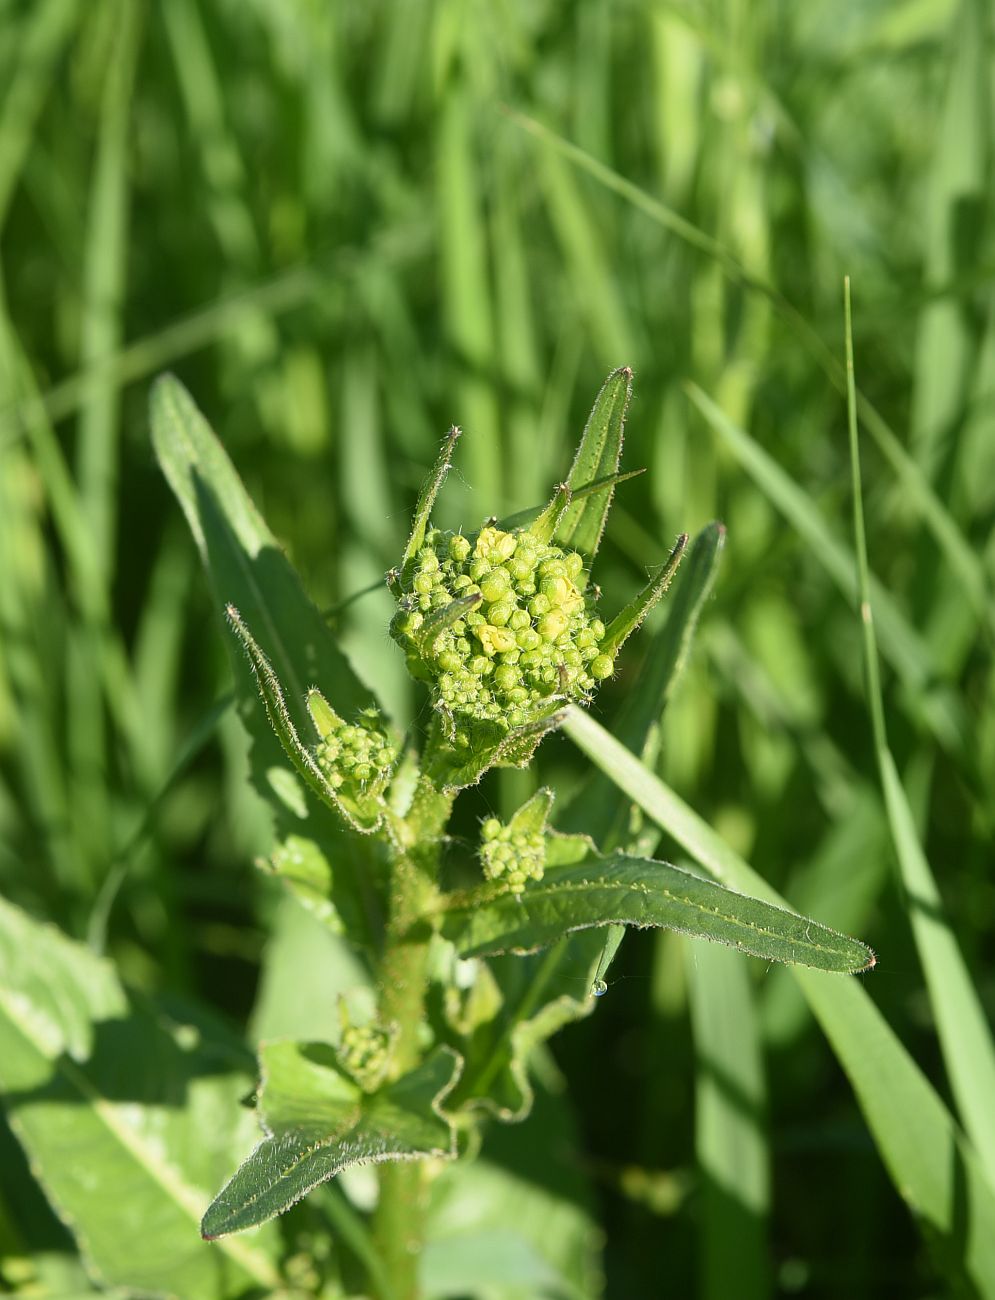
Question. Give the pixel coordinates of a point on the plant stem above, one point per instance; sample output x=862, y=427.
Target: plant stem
x=399, y=1223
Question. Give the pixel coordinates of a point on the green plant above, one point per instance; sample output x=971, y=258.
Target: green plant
x=502, y=625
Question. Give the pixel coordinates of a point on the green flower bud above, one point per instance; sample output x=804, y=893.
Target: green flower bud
x=516, y=852
x=506, y=677
x=495, y=585
x=500, y=613
x=602, y=666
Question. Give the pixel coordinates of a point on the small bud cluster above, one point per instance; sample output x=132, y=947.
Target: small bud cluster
x=510, y=854
x=364, y=1053
x=358, y=755
x=532, y=634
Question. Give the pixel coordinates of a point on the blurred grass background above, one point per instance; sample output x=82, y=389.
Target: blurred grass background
x=345, y=229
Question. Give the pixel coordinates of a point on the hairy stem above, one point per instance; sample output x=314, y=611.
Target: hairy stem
x=399, y=1224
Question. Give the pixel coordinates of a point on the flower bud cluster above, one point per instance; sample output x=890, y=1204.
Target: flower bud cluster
x=532, y=634
x=364, y=1053
x=357, y=757
x=510, y=854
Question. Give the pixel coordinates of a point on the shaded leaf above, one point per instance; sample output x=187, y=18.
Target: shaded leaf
x=517, y=1222
x=934, y=1169
x=513, y=1005
x=127, y=1117
x=246, y=569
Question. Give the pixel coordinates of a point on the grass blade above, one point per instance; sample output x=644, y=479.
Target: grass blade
x=948, y=535
x=730, y=1129
x=965, y=1038
x=599, y=808
x=49, y=27
x=904, y=647
x=934, y=1169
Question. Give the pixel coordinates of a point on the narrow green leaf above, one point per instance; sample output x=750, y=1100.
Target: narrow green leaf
x=247, y=569
x=668, y=654
x=318, y=1122
x=104, y=273
x=953, y=229
x=438, y=621
x=543, y=528
x=363, y=816
x=582, y=523
x=624, y=890
x=91, y=1085
x=427, y=495
x=529, y=518
x=631, y=617
x=933, y=1168
x=965, y=1038
x=49, y=26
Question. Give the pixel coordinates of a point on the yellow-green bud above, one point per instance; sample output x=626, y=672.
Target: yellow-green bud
x=601, y=667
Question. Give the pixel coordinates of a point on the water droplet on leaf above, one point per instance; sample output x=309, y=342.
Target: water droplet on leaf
x=599, y=988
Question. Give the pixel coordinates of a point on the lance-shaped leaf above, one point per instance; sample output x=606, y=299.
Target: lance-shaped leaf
x=426, y=500
x=582, y=523
x=599, y=808
x=244, y=563
x=543, y=529
x=318, y=1121
x=363, y=815
x=624, y=890
x=127, y=1117
x=628, y=619
x=441, y=620
x=247, y=569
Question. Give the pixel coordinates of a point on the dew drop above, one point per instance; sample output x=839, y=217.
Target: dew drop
x=599, y=988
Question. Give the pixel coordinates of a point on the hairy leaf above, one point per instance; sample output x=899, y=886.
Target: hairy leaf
x=581, y=524
x=635, y=891
x=318, y=1121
